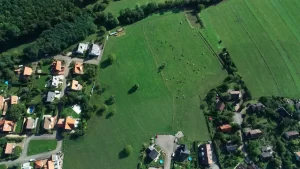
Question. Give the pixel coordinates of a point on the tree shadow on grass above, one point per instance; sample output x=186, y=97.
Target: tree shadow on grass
x=109, y=115
x=147, y=160
x=105, y=64
x=132, y=90
x=122, y=154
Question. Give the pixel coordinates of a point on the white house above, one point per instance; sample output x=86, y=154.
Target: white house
x=81, y=48
x=57, y=80
x=95, y=50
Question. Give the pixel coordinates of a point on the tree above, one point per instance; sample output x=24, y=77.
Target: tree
x=112, y=58
x=3, y=166
x=17, y=152
x=200, y=7
x=113, y=112
x=128, y=150
x=111, y=100
x=103, y=108
x=15, y=112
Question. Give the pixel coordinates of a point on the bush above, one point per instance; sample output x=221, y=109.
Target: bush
x=128, y=150
x=112, y=58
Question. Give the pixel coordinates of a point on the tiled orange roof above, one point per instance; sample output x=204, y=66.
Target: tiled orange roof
x=14, y=100
x=209, y=154
x=40, y=163
x=69, y=124
x=27, y=71
x=76, y=85
x=9, y=148
x=50, y=164
x=8, y=126
x=58, y=65
x=225, y=127
x=78, y=68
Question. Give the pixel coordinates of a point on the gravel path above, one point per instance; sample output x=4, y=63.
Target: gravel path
x=167, y=144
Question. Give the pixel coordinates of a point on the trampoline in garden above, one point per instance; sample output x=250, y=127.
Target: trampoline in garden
x=190, y=158
x=30, y=109
x=161, y=161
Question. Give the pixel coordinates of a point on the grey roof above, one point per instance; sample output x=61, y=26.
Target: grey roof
x=266, y=154
x=266, y=149
x=95, y=50
x=50, y=97
x=153, y=154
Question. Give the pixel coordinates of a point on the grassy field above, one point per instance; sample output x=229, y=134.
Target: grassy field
x=164, y=103
x=262, y=37
x=40, y=146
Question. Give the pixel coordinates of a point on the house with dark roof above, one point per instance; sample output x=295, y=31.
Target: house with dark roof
x=152, y=153
x=235, y=95
x=253, y=134
x=266, y=153
x=205, y=154
x=258, y=107
x=283, y=112
x=182, y=153
x=291, y=135
x=220, y=106
x=230, y=147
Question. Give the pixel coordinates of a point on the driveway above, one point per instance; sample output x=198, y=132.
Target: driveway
x=167, y=144
x=24, y=158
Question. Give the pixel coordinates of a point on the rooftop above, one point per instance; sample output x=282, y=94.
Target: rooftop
x=27, y=71
x=95, y=50
x=8, y=126
x=50, y=97
x=76, y=85
x=9, y=148
x=49, y=122
x=70, y=123
x=14, y=100
x=78, y=68
x=30, y=124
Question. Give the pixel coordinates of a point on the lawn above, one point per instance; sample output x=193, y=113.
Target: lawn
x=164, y=103
x=41, y=146
x=263, y=38
x=70, y=112
x=19, y=126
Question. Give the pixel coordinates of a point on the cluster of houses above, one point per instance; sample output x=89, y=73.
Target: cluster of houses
x=235, y=97
x=57, y=69
x=53, y=162
x=24, y=72
x=7, y=126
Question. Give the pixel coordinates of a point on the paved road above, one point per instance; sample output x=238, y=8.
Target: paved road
x=24, y=158
x=167, y=144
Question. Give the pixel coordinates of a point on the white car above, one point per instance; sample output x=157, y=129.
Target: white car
x=31, y=160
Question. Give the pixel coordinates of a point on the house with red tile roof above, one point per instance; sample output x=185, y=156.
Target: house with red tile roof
x=9, y=148
x=225, y=128
x=78, y=68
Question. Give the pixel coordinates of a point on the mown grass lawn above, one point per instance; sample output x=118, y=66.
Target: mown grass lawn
x=41, y=146
x=70, y=112
x=164, y=103
x=262, y=38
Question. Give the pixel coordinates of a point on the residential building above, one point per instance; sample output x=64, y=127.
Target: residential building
x=283, y=112
x=205, y=154
x=57, y=67
x=230, y=147
x=153, y=154
x=225, y=128
x=50, y=97
x=253, y=134
x=7, y=126
x=70, y=123
x=291, y=134
x=50, y=164
x=95, y=50
x=26, y=166
x=27, y=71
x=235, y=95
x=81, y=48
x=49, y=122
x=14, y=100
x=258, y=107
x=182, y=153
x=297, y=154
x=78, y=68
x=266, y=156
x=9, y=148
x=30, y=124
x=56, y=81
x=76, y=86
x=220, y=106
x=41, y=164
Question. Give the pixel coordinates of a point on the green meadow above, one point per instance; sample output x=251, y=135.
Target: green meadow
x=263, y=39
x=165, y=101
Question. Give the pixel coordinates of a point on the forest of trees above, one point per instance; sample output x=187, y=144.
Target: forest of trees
x=60, y=37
